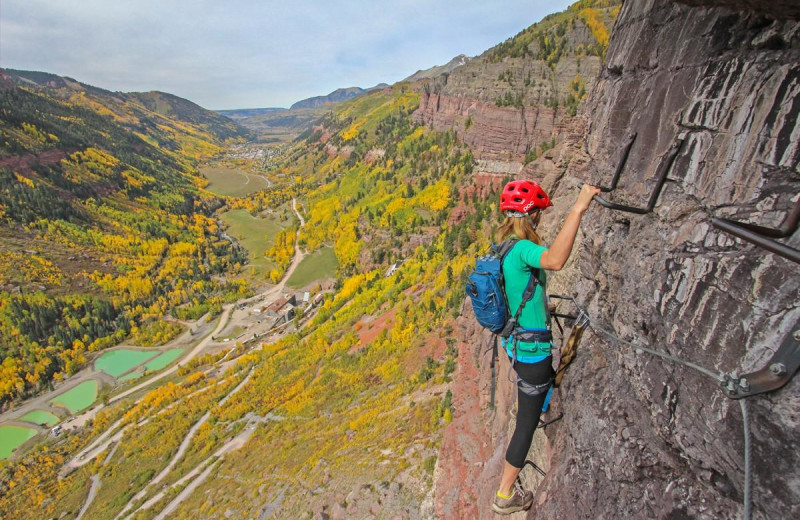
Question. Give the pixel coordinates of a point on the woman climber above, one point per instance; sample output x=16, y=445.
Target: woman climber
x=529, y=346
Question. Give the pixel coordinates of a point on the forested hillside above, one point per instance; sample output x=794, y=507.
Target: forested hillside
x=371, y=365
x=104, y=222
x=341, y=415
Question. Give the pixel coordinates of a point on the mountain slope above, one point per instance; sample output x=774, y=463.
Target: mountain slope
x=348, y=407
x=438, y=70
x=174, y=107
x=103, y=197
x=340, y=94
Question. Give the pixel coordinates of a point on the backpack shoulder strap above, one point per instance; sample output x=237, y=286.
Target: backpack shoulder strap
x=503, y=248
x=527, y=294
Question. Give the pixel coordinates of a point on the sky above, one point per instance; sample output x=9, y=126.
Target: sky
x=228, y=54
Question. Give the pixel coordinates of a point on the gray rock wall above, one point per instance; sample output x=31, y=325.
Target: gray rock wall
x=647, y=438
x=642, y=437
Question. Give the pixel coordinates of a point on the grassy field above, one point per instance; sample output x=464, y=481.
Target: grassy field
x=256, y=235
x=233, y=182
x=319, y=265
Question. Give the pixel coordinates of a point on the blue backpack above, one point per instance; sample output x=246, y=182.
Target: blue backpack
x=486, y=289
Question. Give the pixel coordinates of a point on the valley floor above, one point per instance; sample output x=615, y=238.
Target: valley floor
x=235, y=316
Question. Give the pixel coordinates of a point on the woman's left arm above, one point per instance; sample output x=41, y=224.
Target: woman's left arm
x=557, y=255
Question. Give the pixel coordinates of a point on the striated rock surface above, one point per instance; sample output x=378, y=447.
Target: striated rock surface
x=503, y=106
x=643, y=437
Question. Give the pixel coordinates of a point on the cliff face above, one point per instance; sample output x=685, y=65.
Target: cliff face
x=504, y=104
x=643, y=437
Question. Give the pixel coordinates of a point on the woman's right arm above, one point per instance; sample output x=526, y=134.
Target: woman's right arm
x=557, y=255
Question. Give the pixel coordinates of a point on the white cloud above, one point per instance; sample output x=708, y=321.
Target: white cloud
x=239, y=53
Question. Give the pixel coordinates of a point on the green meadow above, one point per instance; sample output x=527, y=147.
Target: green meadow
x=319, y=265
x=232, y=182
x=254, y=234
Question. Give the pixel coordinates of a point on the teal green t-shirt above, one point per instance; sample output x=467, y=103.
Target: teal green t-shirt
x=517, y=267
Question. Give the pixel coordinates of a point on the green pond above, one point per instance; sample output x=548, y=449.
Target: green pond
x=117, y=362
x=40, y=417
x=164, y=359
x=11, y=437
x=79, y=398
x=130, y=376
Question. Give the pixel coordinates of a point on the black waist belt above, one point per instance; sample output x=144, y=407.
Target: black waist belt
x=533, y=336
x=533, y=390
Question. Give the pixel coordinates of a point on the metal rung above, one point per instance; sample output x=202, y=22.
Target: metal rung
x=664, y=169
x=545, y=424
x=762, y=236
x=621, y=165
x=786, y=229
x=780, y=369
x=537, y=468
x=565, y=316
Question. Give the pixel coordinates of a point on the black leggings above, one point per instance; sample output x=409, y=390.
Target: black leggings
x=529, y=409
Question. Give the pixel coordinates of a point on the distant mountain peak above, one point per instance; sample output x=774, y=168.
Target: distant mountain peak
x=340, y=94
x=438, y=70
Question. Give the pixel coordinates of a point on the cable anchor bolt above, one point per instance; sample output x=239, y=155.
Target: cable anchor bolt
x=777, y=369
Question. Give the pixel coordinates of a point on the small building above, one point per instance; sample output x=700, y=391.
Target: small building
x=393, y=268
x=279, y=308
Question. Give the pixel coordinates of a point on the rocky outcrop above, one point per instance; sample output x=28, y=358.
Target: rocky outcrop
x=438, y=70
x=493, y=132
x=503, y=108
x=643, y=437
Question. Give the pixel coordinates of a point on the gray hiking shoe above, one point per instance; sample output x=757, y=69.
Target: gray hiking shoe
x=520, y=500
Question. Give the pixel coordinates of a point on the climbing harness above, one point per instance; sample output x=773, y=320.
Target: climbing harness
x=533, y=390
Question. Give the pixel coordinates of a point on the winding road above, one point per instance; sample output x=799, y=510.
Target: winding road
x=204, y=469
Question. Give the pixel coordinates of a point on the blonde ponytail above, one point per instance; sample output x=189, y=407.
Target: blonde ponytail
x=521, y=227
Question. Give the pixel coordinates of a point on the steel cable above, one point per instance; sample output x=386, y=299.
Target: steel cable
x=718, y=377
x=748, y=463
x=748, y=456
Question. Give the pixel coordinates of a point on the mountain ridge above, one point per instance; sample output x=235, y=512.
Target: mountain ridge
x=381, y=401
x=158, y=102
x=437, y=70
x=338, y=95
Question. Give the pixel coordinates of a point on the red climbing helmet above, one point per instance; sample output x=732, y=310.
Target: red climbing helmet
x=520, y=198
